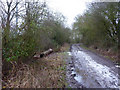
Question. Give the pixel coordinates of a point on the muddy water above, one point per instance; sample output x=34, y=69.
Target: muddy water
x=88, y=72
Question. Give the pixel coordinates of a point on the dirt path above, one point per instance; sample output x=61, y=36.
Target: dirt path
x=87, y=69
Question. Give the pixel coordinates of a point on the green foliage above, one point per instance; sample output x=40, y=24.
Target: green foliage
x=98, y=25
x=37, y=32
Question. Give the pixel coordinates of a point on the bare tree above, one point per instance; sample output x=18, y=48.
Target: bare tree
x=7, y=10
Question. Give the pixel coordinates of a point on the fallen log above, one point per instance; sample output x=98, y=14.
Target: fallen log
x=45, y=53
x=36, y=56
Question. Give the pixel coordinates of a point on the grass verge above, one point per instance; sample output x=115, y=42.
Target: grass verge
x=109, y=54
x=48, y=72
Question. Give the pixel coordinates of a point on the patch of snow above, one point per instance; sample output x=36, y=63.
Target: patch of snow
x=72, y=68
x=102, y=73
x=73, y=72
x=118, y=66
x=78, y=78
x=69, y=53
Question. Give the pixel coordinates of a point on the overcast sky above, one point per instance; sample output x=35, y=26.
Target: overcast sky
x=69, y=8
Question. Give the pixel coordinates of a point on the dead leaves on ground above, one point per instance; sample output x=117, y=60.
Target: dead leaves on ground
x=48, y=72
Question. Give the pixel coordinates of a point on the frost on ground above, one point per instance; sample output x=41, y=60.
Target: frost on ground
x=92, y=74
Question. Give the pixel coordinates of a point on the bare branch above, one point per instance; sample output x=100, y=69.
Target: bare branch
x=2, y=6
x=12, y=16
x=14, y=6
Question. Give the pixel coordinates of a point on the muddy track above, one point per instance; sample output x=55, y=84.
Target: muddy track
x=86, y=69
